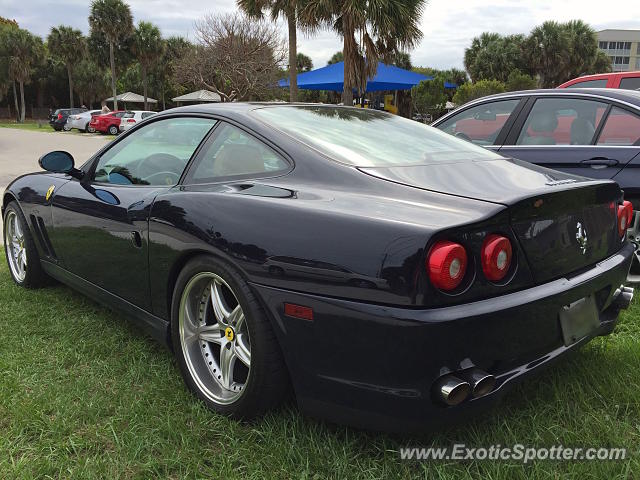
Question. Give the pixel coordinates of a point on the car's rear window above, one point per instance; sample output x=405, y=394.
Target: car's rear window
x=370, y=138
x=129, y=115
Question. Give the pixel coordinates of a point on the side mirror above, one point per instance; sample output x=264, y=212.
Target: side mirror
x=59, y=162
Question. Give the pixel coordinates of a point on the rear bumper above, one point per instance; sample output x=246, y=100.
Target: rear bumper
x=375, y=366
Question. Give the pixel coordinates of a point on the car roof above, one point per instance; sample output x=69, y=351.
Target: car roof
x=628, y=96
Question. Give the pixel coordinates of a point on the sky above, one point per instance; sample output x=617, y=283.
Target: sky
x=448, y=26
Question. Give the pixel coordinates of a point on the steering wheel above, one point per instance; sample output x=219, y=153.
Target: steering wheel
x=463, y=136
x=165, y=162
x=165, y=178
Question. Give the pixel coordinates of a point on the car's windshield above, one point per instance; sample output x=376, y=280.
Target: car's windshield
x=369, y=138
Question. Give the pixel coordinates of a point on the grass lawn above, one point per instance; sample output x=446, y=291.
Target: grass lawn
x=27, y=125
x=83, y=394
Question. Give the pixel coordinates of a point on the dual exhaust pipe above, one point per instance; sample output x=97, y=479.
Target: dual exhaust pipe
x=454, y=389
x=622, y=297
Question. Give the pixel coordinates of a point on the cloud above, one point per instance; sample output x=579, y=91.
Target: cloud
x=447, y=26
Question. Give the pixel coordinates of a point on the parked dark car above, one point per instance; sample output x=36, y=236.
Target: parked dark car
x=58, y=119
x=589, y=132
x=233, y=231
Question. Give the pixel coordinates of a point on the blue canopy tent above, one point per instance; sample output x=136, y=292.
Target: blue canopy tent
x=388, y=77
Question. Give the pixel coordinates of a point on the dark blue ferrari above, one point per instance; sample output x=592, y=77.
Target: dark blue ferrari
x=388, y=274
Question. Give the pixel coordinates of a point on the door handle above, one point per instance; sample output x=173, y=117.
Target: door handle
x=136, y=239
x=600, y=162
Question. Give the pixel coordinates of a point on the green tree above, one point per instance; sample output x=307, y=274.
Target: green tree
x=304, y=63
x=290, y=11
x=148, y=48
x=69, y=45
x=371, y=31
x=430, y=96
x=112, y=19
x=25, y=51
x=92, y=81
x=481, y=88
x=175, y=48
x=520, y=81
x=492, y=56
x=452, y=75
x=336, y=58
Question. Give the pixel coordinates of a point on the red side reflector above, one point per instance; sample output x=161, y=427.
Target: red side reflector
x=625, y=217
x=298, y=311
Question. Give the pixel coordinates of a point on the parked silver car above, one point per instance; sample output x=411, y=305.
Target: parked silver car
x=131, y=117
x=81, y=121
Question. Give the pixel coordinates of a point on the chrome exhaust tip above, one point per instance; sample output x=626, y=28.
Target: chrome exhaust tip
x=623, y=297
x=481, y=382
x=451, y=390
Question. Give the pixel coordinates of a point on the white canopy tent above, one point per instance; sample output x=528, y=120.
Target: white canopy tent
x=199, y=96
x=130, y=97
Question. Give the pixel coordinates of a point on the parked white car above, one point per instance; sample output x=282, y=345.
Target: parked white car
x=131, y=117
x=80, y=121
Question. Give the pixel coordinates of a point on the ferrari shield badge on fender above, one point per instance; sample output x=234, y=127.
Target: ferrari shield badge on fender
x=50, y=192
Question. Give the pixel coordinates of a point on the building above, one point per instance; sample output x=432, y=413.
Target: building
x=623, y=48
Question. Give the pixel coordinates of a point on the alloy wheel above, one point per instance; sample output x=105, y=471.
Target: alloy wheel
x=214, y=338
x=15, y=242
x=633, y=234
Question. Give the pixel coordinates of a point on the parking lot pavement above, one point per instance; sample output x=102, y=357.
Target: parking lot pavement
x=20, y=150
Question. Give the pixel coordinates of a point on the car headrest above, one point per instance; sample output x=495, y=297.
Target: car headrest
x=581, y=131
x=237, y=159
x=544, y=121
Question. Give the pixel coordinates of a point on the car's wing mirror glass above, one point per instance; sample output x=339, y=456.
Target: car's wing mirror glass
x=59, y=162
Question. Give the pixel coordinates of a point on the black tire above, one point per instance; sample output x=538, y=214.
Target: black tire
x=34, y=274
x=113, y=130
x=268, y=382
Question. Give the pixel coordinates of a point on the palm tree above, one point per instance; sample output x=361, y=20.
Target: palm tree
x=371, y=31
x=25, y=51
x=67, y=44
x=113, y=19
x=148, y=47
x=289, y=9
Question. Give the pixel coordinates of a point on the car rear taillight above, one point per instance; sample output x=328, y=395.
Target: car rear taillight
x=131, y=120
x=446, y=265
x=59, y=116
x=625, y=216
x=496, y=257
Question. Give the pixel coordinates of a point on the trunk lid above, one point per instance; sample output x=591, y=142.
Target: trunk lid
x=563, y=223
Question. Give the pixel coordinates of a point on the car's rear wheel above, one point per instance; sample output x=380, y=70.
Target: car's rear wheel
x=66, y=127
x=113, y=130
x=224, y=343
x=88, y=128
x=633, y=234
x=20, y=250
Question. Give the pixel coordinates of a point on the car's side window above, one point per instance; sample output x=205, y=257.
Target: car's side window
x=621, y=128
x=155, y=154
x=589, y=84
x=480, y=124
x=562, y=121
x=232, y=152
x=630, y=83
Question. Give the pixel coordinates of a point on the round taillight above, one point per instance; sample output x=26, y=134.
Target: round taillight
x=625, y=216
x=496, y=257
x=446, y=265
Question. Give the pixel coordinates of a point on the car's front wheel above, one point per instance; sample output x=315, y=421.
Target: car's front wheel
x=224, y=343
x=20, y=250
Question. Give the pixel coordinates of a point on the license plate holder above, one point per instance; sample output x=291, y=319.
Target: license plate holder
x=579, y=319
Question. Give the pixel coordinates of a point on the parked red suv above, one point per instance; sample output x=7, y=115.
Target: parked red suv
x=625, y=80
x=107, y=122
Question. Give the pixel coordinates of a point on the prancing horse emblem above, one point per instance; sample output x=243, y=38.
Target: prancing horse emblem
x=581, y=237
x=49, y=192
